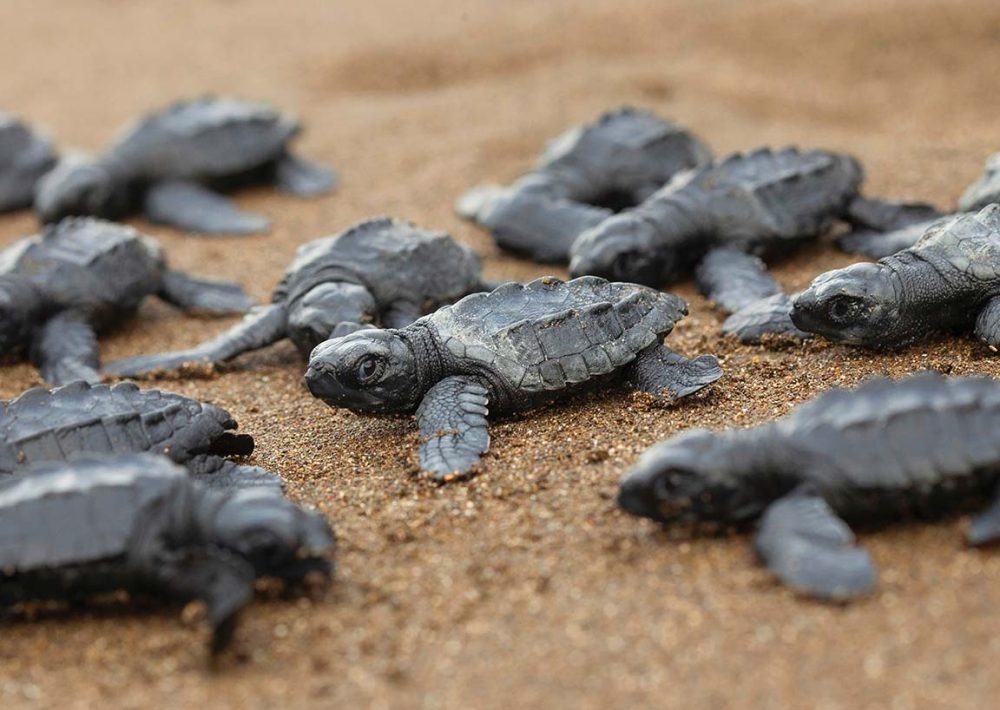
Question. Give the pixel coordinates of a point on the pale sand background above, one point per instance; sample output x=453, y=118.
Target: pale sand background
x=525, y=587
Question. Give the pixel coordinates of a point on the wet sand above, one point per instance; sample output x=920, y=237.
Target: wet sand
x=524, y=587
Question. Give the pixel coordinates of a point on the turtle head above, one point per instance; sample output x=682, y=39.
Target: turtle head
x=857, y=305
x=688, y=478
x=20, y=309
x=78, y=185
x=366, y=371
x=623, y=248
x=314, y=317
x=272, y=533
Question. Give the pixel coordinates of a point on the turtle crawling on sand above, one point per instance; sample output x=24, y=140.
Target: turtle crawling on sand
x=171, y=164
x=136, y=522
x=380, y=271
x=950, y=280
x=923, y=446
x=83, y=276
x=57, y=425
x=583, y=177
x=504, y=351
x=25, y=155
x=762, y=203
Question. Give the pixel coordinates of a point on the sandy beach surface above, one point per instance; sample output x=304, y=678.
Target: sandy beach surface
x=524, y=587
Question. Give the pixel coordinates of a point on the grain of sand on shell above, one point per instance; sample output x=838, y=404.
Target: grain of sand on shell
x=524, y=586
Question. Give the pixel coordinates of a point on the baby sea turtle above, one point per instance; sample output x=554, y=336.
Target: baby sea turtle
x=379, y=271
x=583, y=177
x=57, y=425
x=83, y=276
x=170, y=163
x=950, y=280
x=25, y=155
x=506, y=350
x=136, y=522
x=923, y=446
x=762, y=203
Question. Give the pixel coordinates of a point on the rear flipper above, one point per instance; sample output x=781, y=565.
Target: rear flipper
x=194, y=208
x=219, y=579
x=985, y=189
x=259, y=328
x=540, y=227
x=984, y=528
x=661, y=372
x=733, y=279
x=887, y=215
x=66, y=350
x=767, y=316
x=875, y=244
x=216, y=472
x=803, y=542
x=204, y=295
x=988, y=323
x=453, y=428
x=297, y=176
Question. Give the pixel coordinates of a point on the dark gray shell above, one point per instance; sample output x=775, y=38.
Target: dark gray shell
x=889, y=434
x=767, y=195
x=88, y=264
x=53, y=425
x=60, y=514
x=25, y=156
x=393, y=259
x=209, y=137
x=551, y=333
x=969, y=243
x=627, y=150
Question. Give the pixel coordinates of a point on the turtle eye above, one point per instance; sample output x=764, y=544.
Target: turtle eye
x=369, y=369
x=666, y=485
x=843, y=308
x=625, y=265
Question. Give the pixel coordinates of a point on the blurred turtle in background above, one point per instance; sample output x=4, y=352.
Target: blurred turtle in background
x=172, y=163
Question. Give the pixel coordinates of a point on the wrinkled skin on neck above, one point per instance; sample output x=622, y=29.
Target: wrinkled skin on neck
x=313, y=317
x=367, y=371
x=860, y=305
x=691, y=478
x=272, y=533
x=21, y=310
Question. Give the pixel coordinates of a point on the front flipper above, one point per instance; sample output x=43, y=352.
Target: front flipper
x=453, y=428
x=988, y=323
x=733, y=279
x=541, y=227
x=219, y=579
x=661, y=372
x=984, y=528
x=193, y=208
x=876, y=245
x=400, y=314
x=303, y=178
x=217, y=472
x=204, y=295
x=259, y=328
x=803, y=542
x=65, y=350
x=887, y=215
x=768, y=316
